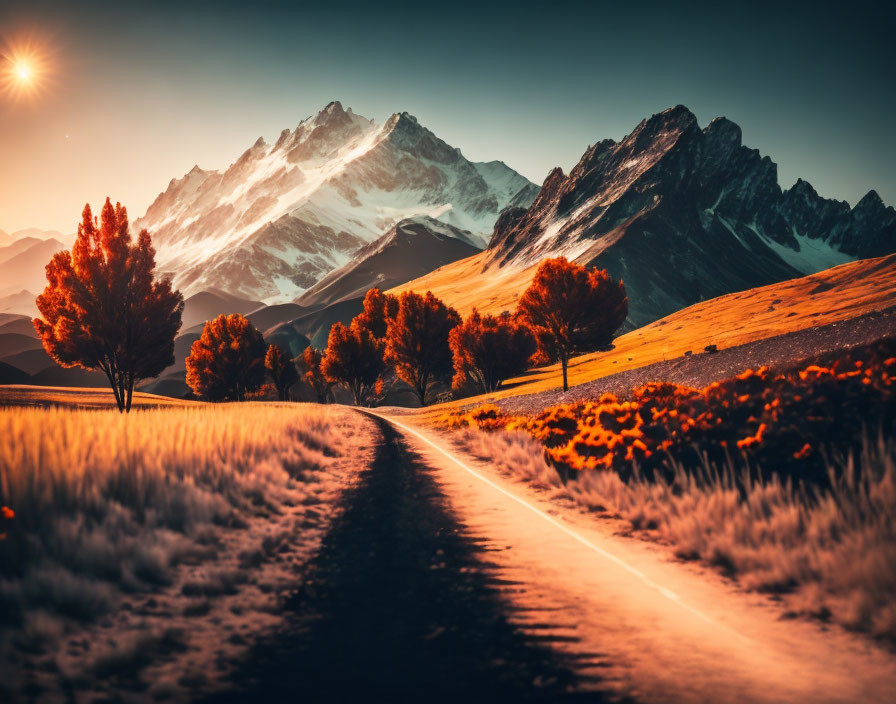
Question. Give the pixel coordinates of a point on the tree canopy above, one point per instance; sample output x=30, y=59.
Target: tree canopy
x=488, y=349
x=309, y=364
x=417, y=341
x=379, y=309
x=571, y=308
x=228, y=360
x=354, y=358
x=103, y=309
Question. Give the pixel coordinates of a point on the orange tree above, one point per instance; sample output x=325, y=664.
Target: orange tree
x=488, y=349
x=417, y=341
x=309, y=365
x=571, y=308
x=103, y=309
x=281, y=370
x=228, y=360
x=354, y=358
x=379, y=309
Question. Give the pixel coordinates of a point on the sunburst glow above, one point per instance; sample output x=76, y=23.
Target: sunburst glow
x=24, y=70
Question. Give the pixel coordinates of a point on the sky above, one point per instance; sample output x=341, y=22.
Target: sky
x=130, y=96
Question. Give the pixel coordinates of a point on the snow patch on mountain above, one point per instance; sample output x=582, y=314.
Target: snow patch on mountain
x=284, y=215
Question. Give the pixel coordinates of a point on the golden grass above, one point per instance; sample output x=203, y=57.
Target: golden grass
x=182, y=506
x=841, y=293
x=79, y=397
x=466, y=284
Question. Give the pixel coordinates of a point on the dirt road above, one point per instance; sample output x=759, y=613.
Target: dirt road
x=444, y=582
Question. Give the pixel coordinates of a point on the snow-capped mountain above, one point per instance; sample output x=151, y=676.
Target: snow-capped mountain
x=284, y=215
x=683, y=214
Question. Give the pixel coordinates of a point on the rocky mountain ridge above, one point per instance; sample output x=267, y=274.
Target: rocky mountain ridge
x=683, y=214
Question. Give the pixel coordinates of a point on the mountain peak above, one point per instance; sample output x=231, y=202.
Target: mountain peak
x=282, y=218
x=804, y=188
x=333, y=108
x=402, y=121
x=721, y=130
x=678, y=114
x=870, y=200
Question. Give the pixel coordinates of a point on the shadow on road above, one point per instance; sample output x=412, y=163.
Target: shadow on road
x=401, y=605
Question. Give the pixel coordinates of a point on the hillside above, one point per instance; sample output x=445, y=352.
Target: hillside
x=842, y=293
x=412, y=248
x=25, y=267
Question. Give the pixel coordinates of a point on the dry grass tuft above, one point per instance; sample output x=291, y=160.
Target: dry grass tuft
x=829, y=553
x=769, y=476
x=109, y=507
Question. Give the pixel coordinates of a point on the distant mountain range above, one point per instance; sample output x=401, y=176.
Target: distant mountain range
x=293, y=234
x=283, y=216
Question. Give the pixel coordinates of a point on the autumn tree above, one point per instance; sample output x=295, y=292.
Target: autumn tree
x=571, y=308
x=417, y=341
x=228, y=360
x=379, y=309
x=103, y=309
x=281, y=370
x=309, y=364
x=354, y=358
x=488, y=349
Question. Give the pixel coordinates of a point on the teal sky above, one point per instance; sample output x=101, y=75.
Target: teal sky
x=135, y=95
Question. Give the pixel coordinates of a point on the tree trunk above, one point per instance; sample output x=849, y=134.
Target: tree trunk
x=564, y=362
x=420, y=388
x=130, y=394
x=118, y=400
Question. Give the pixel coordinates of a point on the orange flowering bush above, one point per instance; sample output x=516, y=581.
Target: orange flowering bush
x=783, y=421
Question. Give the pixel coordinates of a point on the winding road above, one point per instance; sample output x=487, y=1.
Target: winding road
x=442, y=581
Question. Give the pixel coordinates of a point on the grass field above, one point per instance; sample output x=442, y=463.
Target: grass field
x=168, y=530
x=76, y=397
x=841, y=293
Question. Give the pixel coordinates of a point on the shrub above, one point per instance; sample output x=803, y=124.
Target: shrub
x=783, y=421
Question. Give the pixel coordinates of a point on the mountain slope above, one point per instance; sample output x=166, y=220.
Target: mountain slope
x=413, y=247
x=284, y=215
x=681, y=214
x=20, y=303
x=26, y=269
x=843, y=293
x=206, y=305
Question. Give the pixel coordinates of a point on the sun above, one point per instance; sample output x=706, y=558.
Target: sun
x=25, y=70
